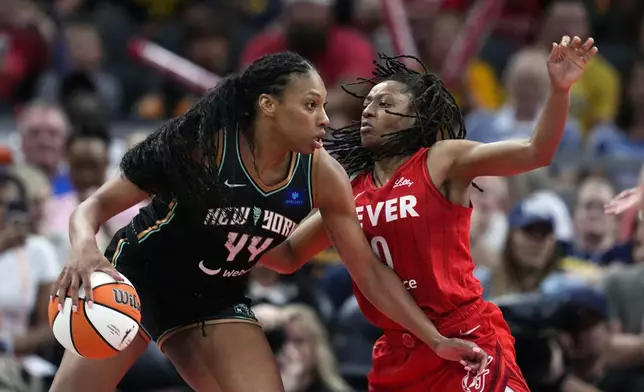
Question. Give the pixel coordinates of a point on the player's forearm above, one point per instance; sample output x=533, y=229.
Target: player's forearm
x=550, y=126
x=84, y=223
x=385, y=290
x=282, y=259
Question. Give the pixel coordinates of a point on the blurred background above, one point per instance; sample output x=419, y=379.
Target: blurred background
x=81, y=81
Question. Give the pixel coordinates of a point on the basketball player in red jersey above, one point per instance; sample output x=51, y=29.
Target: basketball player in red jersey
x=412, y=181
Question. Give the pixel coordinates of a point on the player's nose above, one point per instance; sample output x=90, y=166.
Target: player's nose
x=324, y=120
x=367, y=112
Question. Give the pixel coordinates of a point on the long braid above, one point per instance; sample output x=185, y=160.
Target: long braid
x=437, y=115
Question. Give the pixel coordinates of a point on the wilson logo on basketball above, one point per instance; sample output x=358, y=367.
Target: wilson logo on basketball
x=125, y=298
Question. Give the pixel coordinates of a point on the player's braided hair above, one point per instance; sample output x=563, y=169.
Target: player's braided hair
x=437, y=115
x=178, y=160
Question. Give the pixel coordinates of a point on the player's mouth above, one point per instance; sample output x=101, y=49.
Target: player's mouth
x=318, y=141
x=365, y=126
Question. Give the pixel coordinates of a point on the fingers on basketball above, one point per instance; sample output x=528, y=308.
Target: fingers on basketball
x=105, y=328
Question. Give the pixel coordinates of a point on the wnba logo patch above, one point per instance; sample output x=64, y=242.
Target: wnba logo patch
x=294, y=198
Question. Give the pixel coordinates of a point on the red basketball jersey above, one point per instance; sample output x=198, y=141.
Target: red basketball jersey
x=421, y=235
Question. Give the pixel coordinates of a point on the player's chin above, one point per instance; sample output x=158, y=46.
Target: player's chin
x=371, y=141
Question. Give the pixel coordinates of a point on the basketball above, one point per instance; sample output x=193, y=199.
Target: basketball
x=105, y=328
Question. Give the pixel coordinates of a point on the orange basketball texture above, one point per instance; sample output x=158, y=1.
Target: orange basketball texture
x=105, y=328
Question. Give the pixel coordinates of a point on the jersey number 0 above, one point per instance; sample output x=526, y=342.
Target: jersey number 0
x=381, y=248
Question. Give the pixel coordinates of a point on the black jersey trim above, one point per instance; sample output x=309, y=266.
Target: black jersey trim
x=223, y=150
x=158, y=225
x=257, y=183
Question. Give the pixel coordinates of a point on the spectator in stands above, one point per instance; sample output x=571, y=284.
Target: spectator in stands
x=479, y=87
x=38, y=194
x=43, y=129
x=561, y=339
x=595, y=97
x=531, y=260
x=268, y=286
x=207, y=43
x=305, y=356
x=527, y=85
x=367, y=17
x=24, y=35
x=595, y=231
x=339, y=54
x=624, y=287
x=84, y=45
x=28, y=268
x=623, y=140
x=489, y=223
x=88, y=157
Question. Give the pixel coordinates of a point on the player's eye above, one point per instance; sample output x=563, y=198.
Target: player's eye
x=384, y=105
x=311, y=105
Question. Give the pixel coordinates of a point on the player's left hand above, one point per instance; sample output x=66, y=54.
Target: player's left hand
x=471, y=356
x=568, y=60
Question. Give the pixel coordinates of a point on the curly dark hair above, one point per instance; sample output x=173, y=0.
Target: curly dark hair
x=178, y=161
x=434, y=108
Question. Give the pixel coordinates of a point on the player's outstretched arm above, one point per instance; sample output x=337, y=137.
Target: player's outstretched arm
x=308, y=239
x=469, y=160
x=113, y=197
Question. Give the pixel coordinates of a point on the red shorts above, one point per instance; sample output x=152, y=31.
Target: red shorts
x=402, y=363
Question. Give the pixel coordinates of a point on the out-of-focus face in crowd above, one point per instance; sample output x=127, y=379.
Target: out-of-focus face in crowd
x=43, y=132
x=589, y=217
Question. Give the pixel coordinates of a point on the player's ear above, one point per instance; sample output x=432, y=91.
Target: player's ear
x=267, y=104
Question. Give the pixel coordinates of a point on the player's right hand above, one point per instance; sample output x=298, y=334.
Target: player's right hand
x=471, y=356
x=77, y=273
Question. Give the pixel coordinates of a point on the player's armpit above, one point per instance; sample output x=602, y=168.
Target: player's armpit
x=308, y=239
x=468, y=159
x=376, y=281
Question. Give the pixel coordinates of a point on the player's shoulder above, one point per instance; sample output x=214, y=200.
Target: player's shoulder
x=446, y=151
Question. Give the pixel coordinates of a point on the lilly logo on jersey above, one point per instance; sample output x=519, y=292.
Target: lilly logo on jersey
x=394, y=209
x=294, y=198
x=124, y=298
x=402, y=181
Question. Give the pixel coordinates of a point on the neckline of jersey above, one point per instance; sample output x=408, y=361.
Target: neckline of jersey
x=395, y=174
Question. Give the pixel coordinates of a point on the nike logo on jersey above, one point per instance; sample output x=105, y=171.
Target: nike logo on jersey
x=229, y=185
x=358, y=195
x=471, y=331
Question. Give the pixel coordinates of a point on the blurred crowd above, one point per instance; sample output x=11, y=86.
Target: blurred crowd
x=73, y=98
